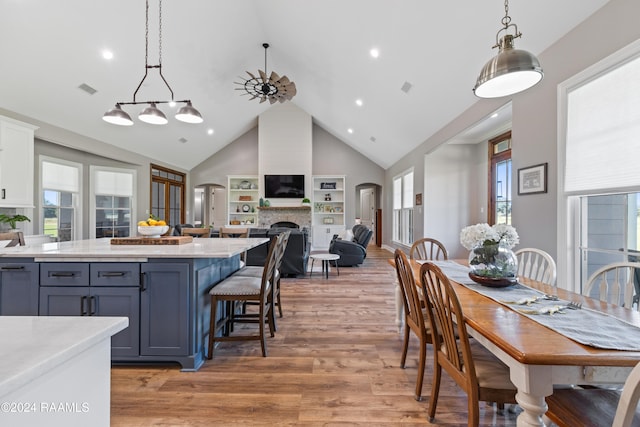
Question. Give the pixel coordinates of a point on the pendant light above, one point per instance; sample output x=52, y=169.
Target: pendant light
x=152, y=114
x=512, y=70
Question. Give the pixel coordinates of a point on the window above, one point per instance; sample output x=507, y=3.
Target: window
x=112, y=201
x=598, y=172
x=500, y=179
x=403, y=208
x=60, y=184
x=168, y=194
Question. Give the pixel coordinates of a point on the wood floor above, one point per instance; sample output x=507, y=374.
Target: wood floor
x=333, y=362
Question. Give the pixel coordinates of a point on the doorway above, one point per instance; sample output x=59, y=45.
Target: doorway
x=367, y=196
x=209, y=205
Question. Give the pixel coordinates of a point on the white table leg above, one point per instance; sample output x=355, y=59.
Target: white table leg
x=534, y=382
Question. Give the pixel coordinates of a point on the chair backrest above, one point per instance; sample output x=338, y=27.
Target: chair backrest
x=536, y=264
x=411, y=297
x=233, y=232
x=177, y=230
x=615, y=283
x=450, y=342
x=195, y=232
x=15, y=237
x=268, y=271
x=428, y=249
x=628, y=399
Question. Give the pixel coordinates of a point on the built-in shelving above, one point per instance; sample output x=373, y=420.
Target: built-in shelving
x=328, y=209
x=243, y=198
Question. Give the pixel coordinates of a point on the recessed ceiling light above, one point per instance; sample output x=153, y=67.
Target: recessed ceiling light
x=107, y=54
x=350, y=130
x=359, y=102
x=209, y=131
x=374, y=53
x=494, y=115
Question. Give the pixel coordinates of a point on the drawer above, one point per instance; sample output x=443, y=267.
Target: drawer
x=64, y=274
x=114, y=274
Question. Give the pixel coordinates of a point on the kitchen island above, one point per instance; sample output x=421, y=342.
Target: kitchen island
x=56, y=370
x=162, y=289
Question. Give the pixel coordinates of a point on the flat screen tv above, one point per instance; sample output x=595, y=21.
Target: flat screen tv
x=284, y=186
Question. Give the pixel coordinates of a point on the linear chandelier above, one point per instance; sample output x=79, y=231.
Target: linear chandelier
x=512, y=70
x=273, y=88
x=152, y=114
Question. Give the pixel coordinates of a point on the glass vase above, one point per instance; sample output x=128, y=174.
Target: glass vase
x=493, y=265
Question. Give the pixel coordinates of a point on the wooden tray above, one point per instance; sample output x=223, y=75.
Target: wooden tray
x=168, y=240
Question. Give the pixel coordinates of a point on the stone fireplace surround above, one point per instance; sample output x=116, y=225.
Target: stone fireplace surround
x=301, y=215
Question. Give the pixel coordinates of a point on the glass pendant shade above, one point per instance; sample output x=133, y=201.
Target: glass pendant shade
x=117, y=116
x=153, y=115
x=509, y=72
x=188, y=114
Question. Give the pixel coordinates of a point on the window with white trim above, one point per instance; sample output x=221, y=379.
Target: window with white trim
x=601, y=182
x=403, y=208
x=60, y=197
x=112, y=196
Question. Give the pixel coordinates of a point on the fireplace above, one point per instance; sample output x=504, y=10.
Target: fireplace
x=300, y=215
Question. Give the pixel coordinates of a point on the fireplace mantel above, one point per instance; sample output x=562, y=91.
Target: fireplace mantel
x=284, y=208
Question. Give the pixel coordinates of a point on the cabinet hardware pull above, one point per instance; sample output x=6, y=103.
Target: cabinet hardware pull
x=143, y=285
x=83, y=305
x=13, y=267
x=92, y=305
x=62, y=274
x=111, y=273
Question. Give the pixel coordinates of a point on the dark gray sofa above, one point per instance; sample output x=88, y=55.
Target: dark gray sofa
x=296, y=255
x=352, y=252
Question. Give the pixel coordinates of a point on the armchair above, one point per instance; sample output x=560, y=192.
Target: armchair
x=352, y=252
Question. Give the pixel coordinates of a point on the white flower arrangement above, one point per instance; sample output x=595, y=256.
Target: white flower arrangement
x=483, y=234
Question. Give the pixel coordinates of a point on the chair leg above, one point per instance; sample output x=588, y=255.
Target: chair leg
x=435, y=390
x=261, y=322
x=474, y=411
x=405, y=346
x=422, y=362
x=278, y=302
x=212, y=326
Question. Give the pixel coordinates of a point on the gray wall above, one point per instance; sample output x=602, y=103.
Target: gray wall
x=534, y=129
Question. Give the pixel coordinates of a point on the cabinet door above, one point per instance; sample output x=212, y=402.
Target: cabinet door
x=16, y=164
x=121, y=302
x=19, y=286
x=164, y=309
x=64, y=301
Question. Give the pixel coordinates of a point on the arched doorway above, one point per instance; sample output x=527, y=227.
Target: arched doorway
x=368, y=212
x=209, y=205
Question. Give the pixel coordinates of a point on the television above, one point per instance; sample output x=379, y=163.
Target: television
x=284, y=186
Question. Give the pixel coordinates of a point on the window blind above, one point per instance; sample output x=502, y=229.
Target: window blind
x=59, y=177
x=113, y=183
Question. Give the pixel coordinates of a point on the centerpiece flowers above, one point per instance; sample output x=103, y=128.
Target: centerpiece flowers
x=491, y=260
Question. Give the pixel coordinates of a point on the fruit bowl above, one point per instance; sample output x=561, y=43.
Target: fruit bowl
x=153, y=230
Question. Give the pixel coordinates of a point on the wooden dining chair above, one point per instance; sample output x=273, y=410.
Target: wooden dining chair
x=414, y=317
x=615, y=283
x=536, y=264
x=236, y=290
x=478, y=372
x=15, y=238
x=234, y=232
x=596, y=407
x=428, y=249
x=196, y=232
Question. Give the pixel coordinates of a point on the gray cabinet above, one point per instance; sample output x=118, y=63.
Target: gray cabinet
x=19, y=284
x=164, y=309
x=97, y=289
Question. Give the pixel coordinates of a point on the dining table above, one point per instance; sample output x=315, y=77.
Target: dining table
x=539, y=357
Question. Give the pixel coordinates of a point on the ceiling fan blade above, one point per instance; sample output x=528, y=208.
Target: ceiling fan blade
x=272, y=99
x=274, y=77
x=262, y=99
x=263, y=76
x=252, y=76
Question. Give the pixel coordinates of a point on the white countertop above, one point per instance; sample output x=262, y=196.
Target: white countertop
x=102, y=250
x=34, y=345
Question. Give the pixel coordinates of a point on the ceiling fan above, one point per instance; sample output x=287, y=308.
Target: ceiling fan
x=272, y=87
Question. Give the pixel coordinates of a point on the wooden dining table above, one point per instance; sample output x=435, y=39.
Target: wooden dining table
x=539, y=357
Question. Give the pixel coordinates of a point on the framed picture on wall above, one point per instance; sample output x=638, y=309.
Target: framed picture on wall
x=418, y=199
x=532, y=179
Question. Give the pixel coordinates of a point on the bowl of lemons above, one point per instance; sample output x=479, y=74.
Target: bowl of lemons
x=152, y=227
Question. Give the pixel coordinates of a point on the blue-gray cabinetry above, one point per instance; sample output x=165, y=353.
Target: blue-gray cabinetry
x=19, y=284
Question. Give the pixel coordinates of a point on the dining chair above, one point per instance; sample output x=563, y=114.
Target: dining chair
x=15, y=238
x=478, y=372
x=615, y=283
x=234, y=232
x=196, y=232
x=428, y=249
x=536, y=264
x=414, y=317
x=234, y=291
x=594, y=407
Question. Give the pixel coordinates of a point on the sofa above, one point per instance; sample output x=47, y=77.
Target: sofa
x=352, y=252
x=296, y=256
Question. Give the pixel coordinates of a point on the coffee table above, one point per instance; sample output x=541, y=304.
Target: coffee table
x=326, y=260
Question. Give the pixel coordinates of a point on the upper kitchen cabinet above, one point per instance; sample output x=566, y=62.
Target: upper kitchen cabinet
x=16, y=163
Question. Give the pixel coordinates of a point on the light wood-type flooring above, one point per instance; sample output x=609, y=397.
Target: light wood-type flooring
x=334, y=361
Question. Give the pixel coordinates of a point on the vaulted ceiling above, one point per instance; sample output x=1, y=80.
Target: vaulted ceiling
x=49, y=48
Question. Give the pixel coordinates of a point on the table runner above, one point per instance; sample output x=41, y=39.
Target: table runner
x=586, y=326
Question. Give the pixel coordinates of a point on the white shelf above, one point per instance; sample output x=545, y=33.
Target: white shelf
x=322, y=233
x=233, y=199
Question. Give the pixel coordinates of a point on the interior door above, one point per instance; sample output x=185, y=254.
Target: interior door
x=219, y=205
x=368, y=208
